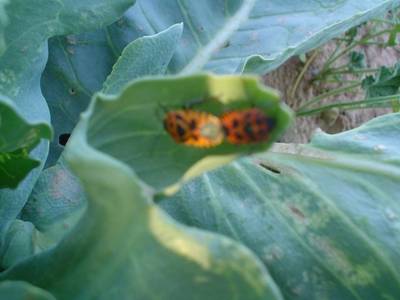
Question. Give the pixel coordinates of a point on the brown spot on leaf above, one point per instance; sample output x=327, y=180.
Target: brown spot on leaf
x=297, y=212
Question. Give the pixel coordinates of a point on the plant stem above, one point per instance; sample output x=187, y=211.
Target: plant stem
x=385, y=101
x=378, y=44
x=356, y=71
x=337, y=81
x=384, y=21
x=301, y=75
x=342, y=39
x=330, y=93
x=335, y=57
x=396, y=106
x=332, y=55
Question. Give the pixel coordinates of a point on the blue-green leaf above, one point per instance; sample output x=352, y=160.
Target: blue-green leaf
x=30, y=25
x=146, y=56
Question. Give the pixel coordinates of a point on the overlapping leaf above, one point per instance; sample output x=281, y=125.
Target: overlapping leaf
x=130, y=126
x=70, y=95
x=250, y=36
x=30, y=24
x=57, y=200
x=146, y=56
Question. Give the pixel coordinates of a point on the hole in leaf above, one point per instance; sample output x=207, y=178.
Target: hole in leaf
x=71, y=91
x=63, y=138
x=227, y=44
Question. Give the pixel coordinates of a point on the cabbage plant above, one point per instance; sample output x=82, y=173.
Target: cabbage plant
x=97, y=201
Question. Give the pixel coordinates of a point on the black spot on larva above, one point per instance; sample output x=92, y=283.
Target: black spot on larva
x=193, y=124
x=239, y=136
x=260, y=120
x=248, y=116
x=262, y=132
x=249, y=130
x=271, y=122
x=63, y=138
x=235, y=123
x=180, y=130
x=226, y=130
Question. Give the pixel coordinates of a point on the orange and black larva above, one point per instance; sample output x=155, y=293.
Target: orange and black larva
x=201, y=129
x=194, y=128
x=247, y=126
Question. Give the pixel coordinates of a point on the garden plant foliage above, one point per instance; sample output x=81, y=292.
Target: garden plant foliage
x=122, y=208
